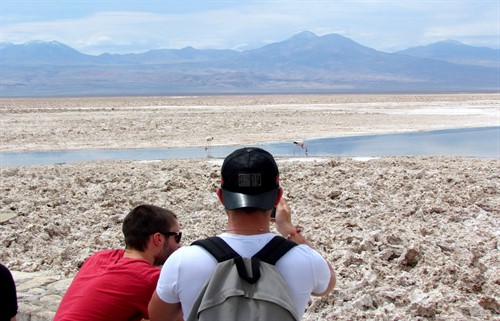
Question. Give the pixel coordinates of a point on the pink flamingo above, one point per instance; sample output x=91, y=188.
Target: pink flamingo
x=301, y=144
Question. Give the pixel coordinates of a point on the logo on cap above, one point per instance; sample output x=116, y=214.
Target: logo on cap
x=249, y=180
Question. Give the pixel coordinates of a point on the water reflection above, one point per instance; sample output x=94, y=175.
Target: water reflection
x=475, y=142
x=472, y=142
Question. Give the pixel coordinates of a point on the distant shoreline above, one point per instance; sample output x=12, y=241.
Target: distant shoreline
x=205, y=94
x=167, y=122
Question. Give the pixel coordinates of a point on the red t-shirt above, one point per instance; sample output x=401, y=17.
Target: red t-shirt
x=109, y=287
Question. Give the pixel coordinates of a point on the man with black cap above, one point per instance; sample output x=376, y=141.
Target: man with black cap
x=249, y=191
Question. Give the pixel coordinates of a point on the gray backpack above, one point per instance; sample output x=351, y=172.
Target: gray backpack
x=248, y=289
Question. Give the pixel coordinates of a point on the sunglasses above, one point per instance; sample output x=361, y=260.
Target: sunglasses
x=177, y=235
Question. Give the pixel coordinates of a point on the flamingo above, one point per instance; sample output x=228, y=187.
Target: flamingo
x=208, y=144
x=301, y=144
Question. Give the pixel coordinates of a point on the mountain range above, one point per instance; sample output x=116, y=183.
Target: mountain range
x=304, y=63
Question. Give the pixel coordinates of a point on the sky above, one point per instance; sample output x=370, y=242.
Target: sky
x=119, y=26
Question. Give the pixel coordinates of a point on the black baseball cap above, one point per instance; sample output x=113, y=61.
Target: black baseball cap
x=250, y=178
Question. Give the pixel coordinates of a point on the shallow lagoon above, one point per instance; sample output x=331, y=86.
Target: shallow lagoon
x=469, y=142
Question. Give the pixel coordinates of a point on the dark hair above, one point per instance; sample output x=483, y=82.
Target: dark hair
x=143, y=221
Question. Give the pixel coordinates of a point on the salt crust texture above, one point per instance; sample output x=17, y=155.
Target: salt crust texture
x=411, y=238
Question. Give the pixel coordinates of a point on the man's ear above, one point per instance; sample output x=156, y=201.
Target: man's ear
x=156, y=239
x=278, y=198
x=219, y=194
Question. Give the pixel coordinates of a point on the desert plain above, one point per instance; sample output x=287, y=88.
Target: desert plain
x=410, y=238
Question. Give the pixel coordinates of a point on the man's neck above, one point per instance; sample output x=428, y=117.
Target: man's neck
x=134, y=254
x=247, y=231
x=244, y=223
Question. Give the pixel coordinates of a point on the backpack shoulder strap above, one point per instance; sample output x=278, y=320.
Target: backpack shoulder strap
x=216, y=246
x=274, y=250
x=221, y=251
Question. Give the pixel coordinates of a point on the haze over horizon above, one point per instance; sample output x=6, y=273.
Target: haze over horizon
x=119, y=27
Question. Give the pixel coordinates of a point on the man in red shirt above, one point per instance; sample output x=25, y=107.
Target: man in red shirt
x=117, y=284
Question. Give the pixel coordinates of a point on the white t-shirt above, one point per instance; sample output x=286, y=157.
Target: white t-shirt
x=187, y=269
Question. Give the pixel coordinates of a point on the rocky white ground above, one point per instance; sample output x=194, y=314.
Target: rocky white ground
x=411, y=238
